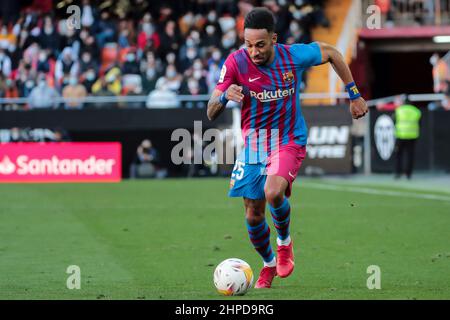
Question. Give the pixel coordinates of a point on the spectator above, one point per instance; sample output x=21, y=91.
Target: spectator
x=131, y=66
x=6, y=38
x=192, y=87
x=43, y=64
x=49, y=37
x=146, y=161
x=172, y=79
x=112, y=80
x=134, y=90
x=212, y=31
x=74, y=90
x=87, y=14
x=5, y=63
x=441, y=74
x=170, y=39
x=16, y=135
x=60, y=135
x=296, y=34
x=162, y=97
x=25, y=79
x=43, y=96
x=11, y=92
x=126, y=37
x=87, y=62
x=188, y=60
x=65, y=65
x=106, y=30
x=88, y=79
x=88, y=44
x=147, y=33
x=102, y=91
x=150, y=72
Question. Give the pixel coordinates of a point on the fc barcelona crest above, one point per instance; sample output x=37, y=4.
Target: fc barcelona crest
x=288, y=76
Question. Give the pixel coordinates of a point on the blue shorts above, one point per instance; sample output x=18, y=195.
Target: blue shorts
x=247, y=180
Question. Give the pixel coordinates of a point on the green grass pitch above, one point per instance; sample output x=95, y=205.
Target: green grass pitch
x=162, y=240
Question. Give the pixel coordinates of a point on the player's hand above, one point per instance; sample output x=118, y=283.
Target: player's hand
x=358, y=108
x=234, y=93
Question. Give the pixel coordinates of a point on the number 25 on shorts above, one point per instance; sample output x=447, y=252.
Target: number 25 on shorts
x=238, y=170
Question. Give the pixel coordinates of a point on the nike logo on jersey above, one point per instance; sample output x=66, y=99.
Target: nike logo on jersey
x=293, y=177
x=254, y=79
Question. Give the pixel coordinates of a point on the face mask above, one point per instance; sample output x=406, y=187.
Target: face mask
x=42, y=57
x=193, y=85
x=195, y=36
x=130, y=57
x=197, y=74
x=294, y=27
x=86, y=59
x=227, y=43
x=212, y=17
x=189, y=42
x=198, y=65
x=216, y=55
x=170, y=58
x=210, y=30
x=171, y=73
x=148, y=28
x=189, y=19
x=434, y=60
x=150, y=73
x=29, y=84
x=42, y=84
x=73, y=81
x=90, y=76
x=191, y=54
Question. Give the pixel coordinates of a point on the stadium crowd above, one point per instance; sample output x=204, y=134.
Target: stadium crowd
x=131, y=48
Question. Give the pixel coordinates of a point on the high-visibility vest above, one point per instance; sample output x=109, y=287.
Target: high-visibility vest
x=407, y=122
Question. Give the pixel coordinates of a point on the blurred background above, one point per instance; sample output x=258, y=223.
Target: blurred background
x=133, y=71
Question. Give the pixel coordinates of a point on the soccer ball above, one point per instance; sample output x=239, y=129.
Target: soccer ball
x=233, y=277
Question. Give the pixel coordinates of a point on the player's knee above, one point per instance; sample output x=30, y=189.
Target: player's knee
x=254, y=216
x=254, y=220
x=274, y=196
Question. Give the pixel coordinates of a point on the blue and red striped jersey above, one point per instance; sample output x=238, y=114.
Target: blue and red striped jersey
x=271, y=114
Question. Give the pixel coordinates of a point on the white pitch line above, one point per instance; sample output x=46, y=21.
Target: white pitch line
x=416, y=195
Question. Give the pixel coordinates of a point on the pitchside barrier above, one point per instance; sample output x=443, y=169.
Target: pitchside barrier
x=333, y=148
x=432, y=152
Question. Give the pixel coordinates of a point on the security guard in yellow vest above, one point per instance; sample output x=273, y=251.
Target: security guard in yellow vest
x=407, y=131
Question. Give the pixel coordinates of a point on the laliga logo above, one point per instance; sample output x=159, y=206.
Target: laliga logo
x=6, y=166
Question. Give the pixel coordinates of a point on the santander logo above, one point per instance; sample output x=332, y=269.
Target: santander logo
x=55, y=166
x=7, y=166
x=61, y=162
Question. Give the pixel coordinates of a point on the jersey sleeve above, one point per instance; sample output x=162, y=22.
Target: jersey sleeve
x=228, y=74
x=306, y=55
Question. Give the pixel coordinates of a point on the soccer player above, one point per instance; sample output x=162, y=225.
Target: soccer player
x=265, y=77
